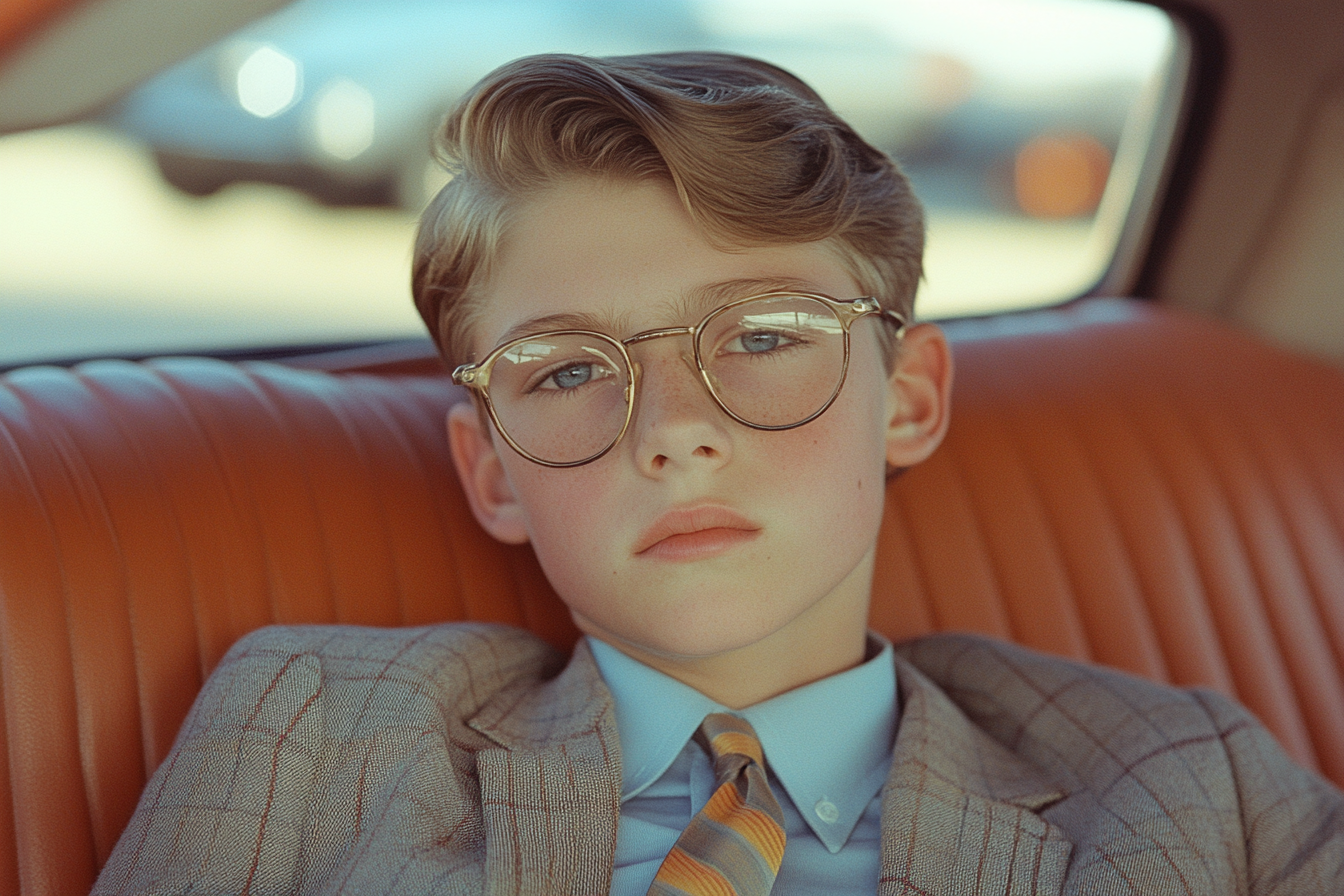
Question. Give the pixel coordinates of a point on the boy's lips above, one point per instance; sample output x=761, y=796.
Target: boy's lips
x=688, y=533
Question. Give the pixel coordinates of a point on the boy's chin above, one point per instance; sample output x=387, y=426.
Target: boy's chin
x=679, y=643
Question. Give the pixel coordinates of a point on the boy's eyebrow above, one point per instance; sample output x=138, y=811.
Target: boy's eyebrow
x=690, y=307
x=704, y=298
x=562, y=320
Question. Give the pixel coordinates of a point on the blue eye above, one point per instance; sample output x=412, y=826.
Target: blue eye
x=759, y=342
x=569, y=377
x=572, y=376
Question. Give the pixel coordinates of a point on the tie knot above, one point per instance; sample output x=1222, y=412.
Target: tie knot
x=735, y=844
x=732, y=743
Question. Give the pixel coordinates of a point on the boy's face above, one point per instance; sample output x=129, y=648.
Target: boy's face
x=695, y=536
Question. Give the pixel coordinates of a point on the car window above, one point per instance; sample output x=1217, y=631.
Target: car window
x=264, y=192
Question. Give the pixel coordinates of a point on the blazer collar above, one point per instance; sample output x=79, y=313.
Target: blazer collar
x=550, y=792
x=959, y=811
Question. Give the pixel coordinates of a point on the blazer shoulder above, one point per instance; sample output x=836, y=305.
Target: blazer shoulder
x=458, y=635
x=1087, y=720
x=461, y=666
x=482, y=647
x=967, y=660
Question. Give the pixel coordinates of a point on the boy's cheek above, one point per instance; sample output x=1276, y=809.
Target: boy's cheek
x=843, y=451
x=567, y=511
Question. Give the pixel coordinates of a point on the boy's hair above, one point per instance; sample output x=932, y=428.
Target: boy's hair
x=754, y=154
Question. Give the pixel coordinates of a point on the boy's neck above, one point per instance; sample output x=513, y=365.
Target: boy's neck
x=789, y=658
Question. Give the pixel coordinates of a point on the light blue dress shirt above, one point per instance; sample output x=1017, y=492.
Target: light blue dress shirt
x=827, y=745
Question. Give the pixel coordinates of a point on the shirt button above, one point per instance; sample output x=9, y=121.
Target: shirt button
x=826, y=811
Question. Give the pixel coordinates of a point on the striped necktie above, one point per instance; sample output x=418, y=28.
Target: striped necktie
x=734, y=845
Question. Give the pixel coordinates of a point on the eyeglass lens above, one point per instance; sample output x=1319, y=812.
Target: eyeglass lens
x=773, y=362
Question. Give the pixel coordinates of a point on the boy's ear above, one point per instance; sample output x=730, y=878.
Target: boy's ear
x=919, y=395
x=481, y=473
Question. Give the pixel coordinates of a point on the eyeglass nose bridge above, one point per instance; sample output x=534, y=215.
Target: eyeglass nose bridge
x=690, y=359
x=658, y=333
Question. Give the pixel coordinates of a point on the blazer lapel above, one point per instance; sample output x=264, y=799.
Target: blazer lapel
x=959, y=811
x=550, y=793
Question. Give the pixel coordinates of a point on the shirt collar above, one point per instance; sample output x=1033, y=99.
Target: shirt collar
x=655, y=715
x=828, y=743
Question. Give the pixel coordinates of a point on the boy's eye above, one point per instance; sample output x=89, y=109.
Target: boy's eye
x=571, y=376
x=758, y=341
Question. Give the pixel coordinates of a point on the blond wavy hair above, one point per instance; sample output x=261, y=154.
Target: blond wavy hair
x=755, y=155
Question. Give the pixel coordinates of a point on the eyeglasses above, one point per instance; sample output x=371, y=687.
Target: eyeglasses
x=771, y=362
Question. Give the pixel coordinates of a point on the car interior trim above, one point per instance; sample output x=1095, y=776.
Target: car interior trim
x=114, y=44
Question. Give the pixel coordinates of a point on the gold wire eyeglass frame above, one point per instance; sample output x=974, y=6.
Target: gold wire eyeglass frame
x=476, y=377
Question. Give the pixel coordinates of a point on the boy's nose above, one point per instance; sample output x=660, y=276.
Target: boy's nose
x=676, y=422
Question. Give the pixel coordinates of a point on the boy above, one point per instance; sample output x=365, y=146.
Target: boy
x=678, y=288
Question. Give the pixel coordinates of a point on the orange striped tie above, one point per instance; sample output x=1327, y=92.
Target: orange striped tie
x=734, y=845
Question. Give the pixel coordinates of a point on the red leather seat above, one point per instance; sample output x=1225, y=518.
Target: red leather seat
x=1120, y=484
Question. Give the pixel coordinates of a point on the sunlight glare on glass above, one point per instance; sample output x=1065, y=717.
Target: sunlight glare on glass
x=268, y=82
x=793, y=321
x=530, y=352
x=600, y=353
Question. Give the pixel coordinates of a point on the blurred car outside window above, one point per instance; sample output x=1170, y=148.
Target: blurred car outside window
x=264, y=192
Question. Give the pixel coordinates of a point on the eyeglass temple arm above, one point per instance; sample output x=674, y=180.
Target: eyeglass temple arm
x=896, y=319
x=869, y=305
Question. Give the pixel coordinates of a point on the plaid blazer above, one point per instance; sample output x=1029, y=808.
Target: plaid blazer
x=465, y=759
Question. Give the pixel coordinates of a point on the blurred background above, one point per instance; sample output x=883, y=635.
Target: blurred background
x=263, y=193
